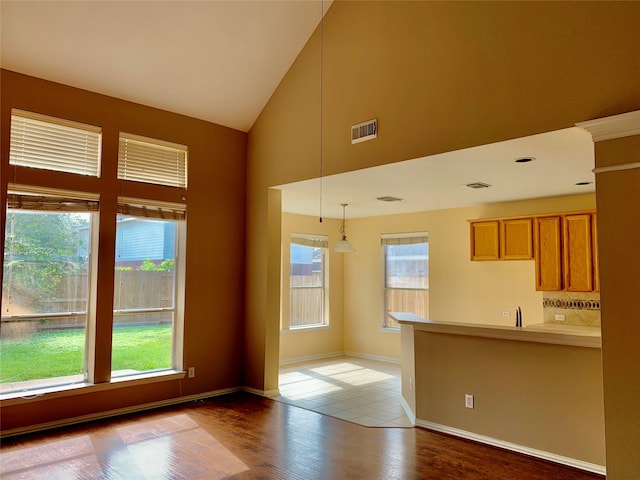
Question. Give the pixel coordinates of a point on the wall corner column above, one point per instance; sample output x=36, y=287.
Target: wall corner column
x=617, y=153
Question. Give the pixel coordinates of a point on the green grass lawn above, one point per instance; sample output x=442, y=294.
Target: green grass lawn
x=61, y=353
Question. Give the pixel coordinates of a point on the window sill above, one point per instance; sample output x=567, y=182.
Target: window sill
x=57, y=391
x=305, y=329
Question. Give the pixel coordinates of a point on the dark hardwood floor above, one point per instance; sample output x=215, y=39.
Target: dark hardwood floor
x=242, y=436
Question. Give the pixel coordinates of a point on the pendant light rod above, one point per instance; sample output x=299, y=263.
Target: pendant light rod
x=342, y=228
x=321, y=102
x=344, y=245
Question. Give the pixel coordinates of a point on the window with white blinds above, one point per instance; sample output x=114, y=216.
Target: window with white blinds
x=148, y=160
x=50, y=143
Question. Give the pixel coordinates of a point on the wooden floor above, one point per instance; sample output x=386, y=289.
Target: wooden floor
x=241, y=436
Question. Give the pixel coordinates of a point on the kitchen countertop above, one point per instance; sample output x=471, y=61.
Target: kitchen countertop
x=540, y=333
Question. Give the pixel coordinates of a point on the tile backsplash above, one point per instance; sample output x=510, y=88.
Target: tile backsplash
x=582, y=309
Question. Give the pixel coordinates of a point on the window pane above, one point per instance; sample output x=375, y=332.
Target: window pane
x=44, y=298
x=407, y=266
x=307, y=285
x=144, y=296
x=400, y=300
x=406, y=280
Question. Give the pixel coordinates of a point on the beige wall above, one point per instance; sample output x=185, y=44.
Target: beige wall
x=214, y=308
x=439, y=76
x=541, y=396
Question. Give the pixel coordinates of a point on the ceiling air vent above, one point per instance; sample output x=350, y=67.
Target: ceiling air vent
x=364, y=131
x=478, y=185
x=389, y=198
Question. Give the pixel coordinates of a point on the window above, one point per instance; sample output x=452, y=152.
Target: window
x=49, y=326
x=307, y=281
x=406, y=279
x=147, y=312
x=45, y=290
x=149, y=160
x=39, y=141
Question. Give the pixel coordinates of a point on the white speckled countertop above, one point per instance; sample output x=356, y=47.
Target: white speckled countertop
x=542, y=332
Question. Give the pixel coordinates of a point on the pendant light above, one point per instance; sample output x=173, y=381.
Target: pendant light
x=344, y=245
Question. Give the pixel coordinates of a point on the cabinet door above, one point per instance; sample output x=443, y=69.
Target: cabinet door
x=548, y=253
x=578, y=254
x=484, y=240
x=516, y=239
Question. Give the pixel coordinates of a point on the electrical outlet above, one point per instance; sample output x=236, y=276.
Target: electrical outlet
x=560, y=318
x=191, y=372
x=468, y=400
x=410, y=383
x=506, y=314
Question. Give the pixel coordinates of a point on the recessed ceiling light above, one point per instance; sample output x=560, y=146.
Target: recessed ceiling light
x=389, y=198
x=524, y=159
x=579, y=184
x=478, y=185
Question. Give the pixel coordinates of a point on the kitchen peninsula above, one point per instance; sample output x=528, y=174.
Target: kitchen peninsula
x=508, y=386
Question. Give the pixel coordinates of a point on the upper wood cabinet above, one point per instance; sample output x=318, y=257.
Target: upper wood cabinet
x=578, y=253
x=516, y=239
x=485, y=244
x=564, y=246
x=566, y=253
x=548, y=253
x=509, y=239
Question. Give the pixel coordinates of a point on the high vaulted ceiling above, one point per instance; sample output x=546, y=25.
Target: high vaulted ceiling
x=214, y=60
x=221, y=61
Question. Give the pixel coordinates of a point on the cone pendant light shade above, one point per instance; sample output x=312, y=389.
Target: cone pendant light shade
x=344, y=245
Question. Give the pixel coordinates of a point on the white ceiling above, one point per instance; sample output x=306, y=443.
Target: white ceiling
x=562, y=158
x=214, y=60
x=221, y=61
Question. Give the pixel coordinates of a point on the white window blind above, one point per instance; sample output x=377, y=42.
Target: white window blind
x=310, y=240
x=50, y=143
x=404, y=238
x=148, y=160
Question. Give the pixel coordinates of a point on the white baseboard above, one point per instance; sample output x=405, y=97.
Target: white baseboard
x=308, y=358
x=368, y=356
x=552, y=457
x=113, y=413
x=320, y=356
x=407, y=410
x=263, y=393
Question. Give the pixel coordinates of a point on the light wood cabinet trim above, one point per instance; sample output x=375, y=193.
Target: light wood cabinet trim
x=594, y=239
x=484, y=240
x=516, y=239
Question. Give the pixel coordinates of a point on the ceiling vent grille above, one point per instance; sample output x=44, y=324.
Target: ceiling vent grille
x=478, y=185
x=389, y=198
x=364, y=131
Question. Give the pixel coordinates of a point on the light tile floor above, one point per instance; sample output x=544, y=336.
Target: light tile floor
x=359, y=390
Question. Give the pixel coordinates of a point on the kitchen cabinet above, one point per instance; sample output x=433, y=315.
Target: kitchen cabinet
x=566, y=253
x=508, y=239
x=485, y=244
x=577, y=253
x=516, y=239
x=548, y=253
